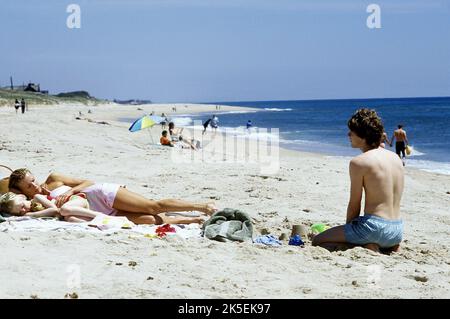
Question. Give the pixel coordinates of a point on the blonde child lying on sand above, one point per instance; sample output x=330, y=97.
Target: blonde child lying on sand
x=74, y=209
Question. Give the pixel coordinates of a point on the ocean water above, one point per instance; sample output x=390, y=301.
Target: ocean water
x=321, y=125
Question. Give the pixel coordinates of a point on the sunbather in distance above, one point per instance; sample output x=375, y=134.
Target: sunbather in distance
x=164, y=140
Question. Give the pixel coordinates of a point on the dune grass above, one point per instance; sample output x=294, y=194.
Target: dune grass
x=8, y=97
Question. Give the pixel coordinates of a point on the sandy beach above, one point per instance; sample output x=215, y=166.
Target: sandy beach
x=308, y=188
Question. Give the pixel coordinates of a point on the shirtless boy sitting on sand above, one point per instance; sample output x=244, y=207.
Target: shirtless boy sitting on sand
x=380, y=174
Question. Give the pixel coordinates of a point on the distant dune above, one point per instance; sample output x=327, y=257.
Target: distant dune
x=7, y=98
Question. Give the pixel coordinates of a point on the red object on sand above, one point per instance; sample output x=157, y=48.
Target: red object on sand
x=162, y=230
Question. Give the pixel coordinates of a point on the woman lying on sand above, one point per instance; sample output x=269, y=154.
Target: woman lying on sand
x=109, y=199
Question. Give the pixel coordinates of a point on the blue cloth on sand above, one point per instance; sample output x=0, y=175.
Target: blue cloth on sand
x=268, y=240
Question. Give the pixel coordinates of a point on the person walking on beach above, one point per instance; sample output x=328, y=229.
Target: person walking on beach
x=16, y=105
x=164, y=121
x=214, y=123
x=205, y=125
x=22, y=105
x=249, y=125
x=401, y=142
x=380, y=174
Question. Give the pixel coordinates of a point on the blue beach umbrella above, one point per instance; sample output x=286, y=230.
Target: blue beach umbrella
x=142, y=123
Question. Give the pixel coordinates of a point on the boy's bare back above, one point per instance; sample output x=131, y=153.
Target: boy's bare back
x=383, y=179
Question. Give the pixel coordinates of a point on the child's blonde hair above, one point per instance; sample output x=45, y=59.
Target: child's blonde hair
x=7, y=202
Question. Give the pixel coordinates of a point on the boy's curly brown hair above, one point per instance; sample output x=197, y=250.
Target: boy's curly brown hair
x=367, y=125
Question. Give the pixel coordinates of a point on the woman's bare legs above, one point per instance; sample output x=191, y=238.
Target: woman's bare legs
x=159, y=218
x=130, y=202
x=74, y=212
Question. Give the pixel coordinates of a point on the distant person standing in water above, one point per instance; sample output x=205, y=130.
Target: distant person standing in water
x=214, y=123
x=16, y=105
x=401, y=142
x=249, y=125
x=22, y=105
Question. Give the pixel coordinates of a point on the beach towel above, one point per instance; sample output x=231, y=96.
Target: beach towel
x=228, y=225
x=47, y=224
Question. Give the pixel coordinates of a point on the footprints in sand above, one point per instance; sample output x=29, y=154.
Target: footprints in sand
x=280, y=179
x=5, y=146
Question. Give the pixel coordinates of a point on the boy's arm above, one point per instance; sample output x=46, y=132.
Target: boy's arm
x=356, y=190
x=406, y=139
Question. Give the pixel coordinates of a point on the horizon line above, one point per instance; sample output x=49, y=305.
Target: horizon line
x=321, y=99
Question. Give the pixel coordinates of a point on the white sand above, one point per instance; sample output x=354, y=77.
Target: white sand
x=308, y=188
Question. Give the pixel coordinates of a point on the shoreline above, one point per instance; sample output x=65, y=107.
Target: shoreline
x=135, y=111
x=308, y=188
x=287, y=148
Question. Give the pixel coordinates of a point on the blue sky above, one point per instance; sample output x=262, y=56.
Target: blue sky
x=229, y=50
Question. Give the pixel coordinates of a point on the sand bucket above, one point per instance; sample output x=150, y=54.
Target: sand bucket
x=300, y=230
